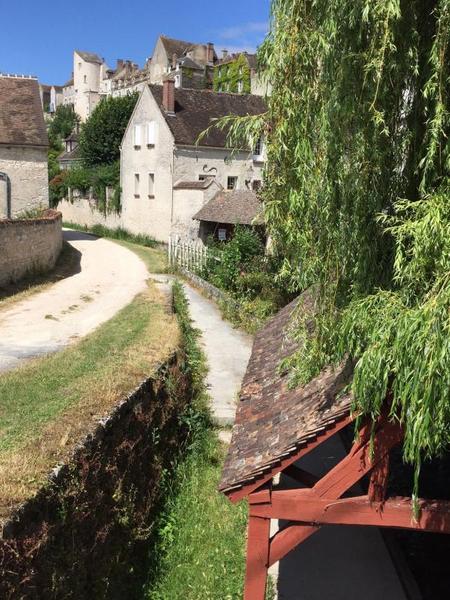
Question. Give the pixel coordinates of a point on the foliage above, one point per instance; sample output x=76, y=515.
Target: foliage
x=102, y=133
x=358, y=119
x=200, y=549
x=117, y=234
x=84, y=179
x=231, y=74
x=64, y=121
x=241, y=269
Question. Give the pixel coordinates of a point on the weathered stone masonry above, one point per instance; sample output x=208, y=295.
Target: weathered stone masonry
x=28, y=246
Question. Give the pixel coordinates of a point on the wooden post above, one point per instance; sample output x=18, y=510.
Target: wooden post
x=257, y=558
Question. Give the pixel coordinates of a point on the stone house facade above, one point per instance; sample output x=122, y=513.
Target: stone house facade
x=23, y=146
x=166, y=178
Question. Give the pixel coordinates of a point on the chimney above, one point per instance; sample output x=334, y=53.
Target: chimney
x=224, y=53
x=174, y=61
x=169, y=96
x=210, y=53
x=119, y=64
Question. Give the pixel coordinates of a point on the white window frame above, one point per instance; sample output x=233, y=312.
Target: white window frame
x=258, y=150
x=137, y=136
x=240, y=86
x=151, y=133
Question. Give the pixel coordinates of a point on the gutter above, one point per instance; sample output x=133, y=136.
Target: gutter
x=5, y=177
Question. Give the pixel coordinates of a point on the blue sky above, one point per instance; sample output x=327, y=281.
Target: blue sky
x=38, y=38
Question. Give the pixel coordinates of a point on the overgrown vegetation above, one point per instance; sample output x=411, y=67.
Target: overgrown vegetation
x=356, y=196
x=99, y=151
x=227, y=77
x=242, y=269
x=63, y=123
x=200, y=551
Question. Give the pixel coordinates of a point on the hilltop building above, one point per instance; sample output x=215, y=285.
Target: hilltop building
x=166, y=178
x=51, y=97
x=238, y=73
x=23, y=146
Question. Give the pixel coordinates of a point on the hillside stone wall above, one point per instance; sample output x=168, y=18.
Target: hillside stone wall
x=87, y=533
x=84, y=212
x=29, y=245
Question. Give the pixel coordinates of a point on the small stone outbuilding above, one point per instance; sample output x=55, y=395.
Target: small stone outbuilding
x=23, y=146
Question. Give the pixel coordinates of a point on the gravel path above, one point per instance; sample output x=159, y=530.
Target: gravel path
x=110, y=277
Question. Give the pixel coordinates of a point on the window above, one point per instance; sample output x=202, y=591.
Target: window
x=137, y=136
x=151, y=185
x=240, y=86
x=136, y=185
x=79, y=66
x=202, y=177
x=220, y=71
x=258, y=150
x=151, y=133
x=85, y=79
x=232, y=183
x=256, y=185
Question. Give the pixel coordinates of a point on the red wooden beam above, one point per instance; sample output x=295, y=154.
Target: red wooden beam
x=379, y=480
x=257, y=558
x=434, y=516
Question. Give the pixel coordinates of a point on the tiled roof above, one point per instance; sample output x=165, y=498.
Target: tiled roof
x=251, y=59
x=21, y=115
x=235, y=207
x=68, y=83
x=178, y=47
x=273, y=421
x=195, y=110
x=190, y=64
x=90, y=57
x=73, y=155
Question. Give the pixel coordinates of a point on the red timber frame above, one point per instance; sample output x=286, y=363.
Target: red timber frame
x=319, y=502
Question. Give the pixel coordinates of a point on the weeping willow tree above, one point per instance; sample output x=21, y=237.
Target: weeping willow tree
x=357, y=196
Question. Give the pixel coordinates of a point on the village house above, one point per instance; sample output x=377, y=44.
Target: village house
x=238, y=73
x=166, y=178
x=23, y=146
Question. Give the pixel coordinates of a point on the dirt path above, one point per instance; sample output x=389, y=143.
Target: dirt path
x=110, y=276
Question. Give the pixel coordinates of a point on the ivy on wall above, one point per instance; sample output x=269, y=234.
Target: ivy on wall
x=228, y=76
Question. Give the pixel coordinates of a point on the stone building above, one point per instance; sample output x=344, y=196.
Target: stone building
x=166, y=178
x=238, y=73
x=51, y=97
x=23, y=146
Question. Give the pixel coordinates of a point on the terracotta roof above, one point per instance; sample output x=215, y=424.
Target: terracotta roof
x=90, y=57
x=237, y=206
x=178, y=47
x=273, y=421
x=195, y=110
x=21, y=115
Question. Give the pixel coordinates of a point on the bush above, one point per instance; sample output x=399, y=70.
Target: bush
x=102, y=133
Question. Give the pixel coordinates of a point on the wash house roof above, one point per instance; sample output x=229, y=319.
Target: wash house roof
x=234, y=207
x=21, y=115
x=195, y=110
x=273, y=421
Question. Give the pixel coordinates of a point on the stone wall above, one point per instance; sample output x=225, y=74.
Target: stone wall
x=88, y=532
x=28, y=246
x=84, y=212
x=27, y=168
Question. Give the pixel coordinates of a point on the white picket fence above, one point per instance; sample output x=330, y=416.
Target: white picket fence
x=187, y=255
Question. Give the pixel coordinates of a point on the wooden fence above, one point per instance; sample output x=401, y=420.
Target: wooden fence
x=187, y=255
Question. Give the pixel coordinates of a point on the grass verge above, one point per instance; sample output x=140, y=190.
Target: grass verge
x=115, y=234
x=49, y=404
x=200, y=535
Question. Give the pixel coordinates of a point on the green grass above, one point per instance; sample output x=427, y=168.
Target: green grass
x=155, y=259
x=202, y=534
x=59, y=396
x=115, y=234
